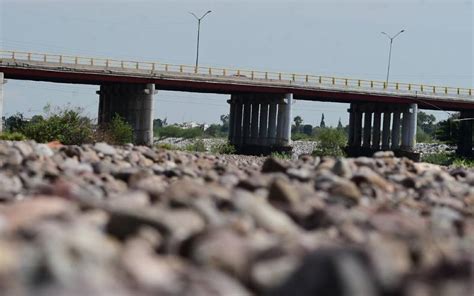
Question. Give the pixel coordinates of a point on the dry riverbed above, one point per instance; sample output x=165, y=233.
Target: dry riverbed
x=103, y=220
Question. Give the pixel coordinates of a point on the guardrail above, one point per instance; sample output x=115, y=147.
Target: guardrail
x=154, y=67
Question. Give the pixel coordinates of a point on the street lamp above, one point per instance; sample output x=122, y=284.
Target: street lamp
x=390, y=52
x=199, y=29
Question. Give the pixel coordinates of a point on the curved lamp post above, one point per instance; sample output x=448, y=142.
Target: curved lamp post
x=199, y=30
x=390, y=51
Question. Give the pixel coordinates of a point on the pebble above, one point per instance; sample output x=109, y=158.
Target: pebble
x=131, y=220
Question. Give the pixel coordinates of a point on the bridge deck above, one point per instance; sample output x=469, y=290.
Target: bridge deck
x=71, y=69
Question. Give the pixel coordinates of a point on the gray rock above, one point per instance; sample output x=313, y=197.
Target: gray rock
x=105, y=149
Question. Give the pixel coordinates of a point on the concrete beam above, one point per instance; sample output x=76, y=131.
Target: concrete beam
x=386, y=130
x=254, y=122
x=246, y=121
x=406, y=129
x=263, y=133
x=396, y=130
x=367, y=129
x=465, y=141
x=231, y=119
x=134, y=103
x=376, y=130
x=357, y=127
x=413, y=126
x=351, y=126
x=281, y=123
x=272, y=126
x=286, y=139
x=239, y=109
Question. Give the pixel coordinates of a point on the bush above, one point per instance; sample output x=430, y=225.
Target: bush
x=173, y=131
x=166, y=146
x=330, y=142
x=281, y=155
x=197, y=146
x=12, y=136
x=117, y=132
x=422, y=136
x=66, y=125
x=224, y=148
x=438, y=158
x=300, y=137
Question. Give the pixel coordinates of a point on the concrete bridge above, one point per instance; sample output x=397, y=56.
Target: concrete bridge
x=382, y=115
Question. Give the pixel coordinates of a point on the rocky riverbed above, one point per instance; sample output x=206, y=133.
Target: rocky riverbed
x=103, y=220
x=302, y=147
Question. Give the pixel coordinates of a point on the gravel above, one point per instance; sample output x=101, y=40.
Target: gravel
x=130, y=220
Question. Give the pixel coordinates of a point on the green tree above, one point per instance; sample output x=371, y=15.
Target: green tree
x=426, y=122
x=15, y=123
x=331, y=142
x=339, y=125
x=308, y=129
x=448, y=130
x=298, y=121
x=118, y=131
x=322, y=124
x=66, y=125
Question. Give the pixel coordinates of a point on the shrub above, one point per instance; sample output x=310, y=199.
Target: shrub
x=422, y=136
x=280, y=155
x=166, y=146
x=65, y=125
x=438, y=158
x=7, y=136
x=173, y=131
x=330, y=142
x=197, y=146
x=117, y=131
x=223, y=148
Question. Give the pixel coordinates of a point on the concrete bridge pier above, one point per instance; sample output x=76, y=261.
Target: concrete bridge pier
x=465, y=141
x=374, y=127
x=2, y=82
x=132, y=102
x=260, y=123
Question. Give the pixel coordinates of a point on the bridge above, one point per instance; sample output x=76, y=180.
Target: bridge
x=382, y=115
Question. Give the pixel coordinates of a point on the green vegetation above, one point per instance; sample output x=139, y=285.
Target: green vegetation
x=281, y=155
x=224, y=148
x=66, y=125
x=331, y=142
x=197, y=146
x=173, y=131
x=166, y=146
x=9, y=136
x=448, y=159
x=117, y=132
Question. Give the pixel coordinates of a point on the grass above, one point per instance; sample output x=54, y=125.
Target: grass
x=281, y=155
x=448, y=159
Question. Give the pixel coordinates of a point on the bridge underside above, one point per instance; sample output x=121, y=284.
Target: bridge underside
x=260, y=122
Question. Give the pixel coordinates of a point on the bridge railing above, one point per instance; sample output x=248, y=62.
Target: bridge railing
x=154, y=67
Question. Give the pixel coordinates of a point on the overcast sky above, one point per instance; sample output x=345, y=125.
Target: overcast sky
x=335, y=37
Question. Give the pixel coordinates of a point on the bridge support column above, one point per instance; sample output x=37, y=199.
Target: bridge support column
x=263, y=128
x=367, y=127
x=382, y=133
x=396, y=130
x=231, y=120
x=254, y=131
x=376, y=130
x=132, y=102
x=386, y=130
x=413, y=125
x=409, y=127
x=260, y=123
x=246, y=121
x=405, y=129
x=286, y=137
x=2, y=82
x=357, y=126
x=465, y=141
x=272, y=124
